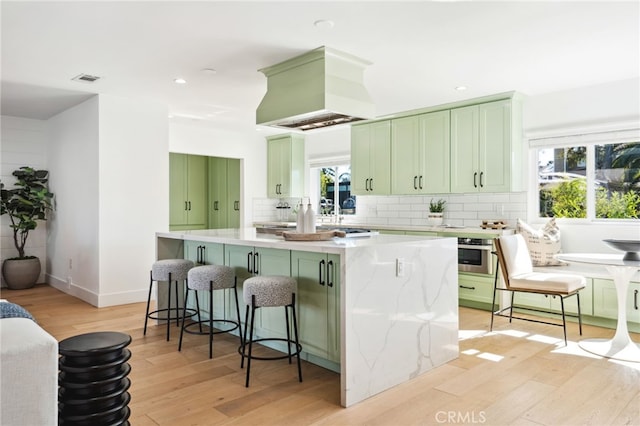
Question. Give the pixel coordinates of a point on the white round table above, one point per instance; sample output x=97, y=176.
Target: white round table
x=621, y=347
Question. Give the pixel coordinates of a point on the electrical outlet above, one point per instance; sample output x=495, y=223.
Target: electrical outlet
x=400, y=265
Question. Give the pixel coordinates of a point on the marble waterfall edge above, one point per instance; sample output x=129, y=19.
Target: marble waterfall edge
x=397, y=327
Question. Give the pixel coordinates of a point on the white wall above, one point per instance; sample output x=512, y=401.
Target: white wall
x=133, y=177
x=23, y=143
x=250, y=147
x=110, y=172
x=73, y=165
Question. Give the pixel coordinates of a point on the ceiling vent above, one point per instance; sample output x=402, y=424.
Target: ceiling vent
x=85, y=78
x=318, y=89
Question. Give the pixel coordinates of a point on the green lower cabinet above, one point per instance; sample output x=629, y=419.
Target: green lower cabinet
x=422, y=233
x=475, y=291
x=250, y=261
x=207, y=254
x=605, y=300
x=318, y=278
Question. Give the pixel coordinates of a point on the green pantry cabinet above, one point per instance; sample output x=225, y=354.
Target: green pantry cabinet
x=204, y=192
x=187, y=191
x=285, y=166
x=224, y=193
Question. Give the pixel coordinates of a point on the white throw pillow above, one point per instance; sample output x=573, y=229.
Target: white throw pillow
x=542, y=243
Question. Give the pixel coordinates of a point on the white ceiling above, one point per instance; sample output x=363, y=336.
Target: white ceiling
x=420, y=51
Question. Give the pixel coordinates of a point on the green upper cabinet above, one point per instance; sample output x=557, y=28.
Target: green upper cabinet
x=285, y=166
x=370, y=158
x=187, y=191
x=420, y=154
x=486, y=147
x=224, y=193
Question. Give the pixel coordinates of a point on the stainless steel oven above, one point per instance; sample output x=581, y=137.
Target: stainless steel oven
x=474, y=255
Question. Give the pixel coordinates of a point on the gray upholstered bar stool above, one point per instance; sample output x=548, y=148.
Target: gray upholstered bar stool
x=269, y=291
x=172, y=271
x=210, y=278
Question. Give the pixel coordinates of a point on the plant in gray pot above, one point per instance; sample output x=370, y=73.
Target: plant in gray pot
x=26, y=204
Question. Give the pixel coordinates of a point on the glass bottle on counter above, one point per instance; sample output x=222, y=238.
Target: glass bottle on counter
x=300, y=218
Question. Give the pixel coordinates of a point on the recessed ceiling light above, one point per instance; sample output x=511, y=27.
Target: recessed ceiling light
x=461, y=88
x=86, y=78
x=180, y=80
x=324, y=23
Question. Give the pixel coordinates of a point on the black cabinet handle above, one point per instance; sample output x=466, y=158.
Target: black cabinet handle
x=366, y=184
x=320, y=269
x=236, y=205
x=468, y=288
x=481, y=184
x=475, y=184
x=330, y=273
x=215, y=205
x=415, y=184
x=189, y=205
x=371, y=184
x=185, y=205
x=249, y=255
x=635, y=299
x=420, y=183
x=255, y=263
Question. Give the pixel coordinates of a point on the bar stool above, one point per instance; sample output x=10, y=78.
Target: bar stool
x=269, y=291
x=210, y=278
x=171, y=271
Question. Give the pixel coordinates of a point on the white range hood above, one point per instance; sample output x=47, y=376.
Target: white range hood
x=321, y=88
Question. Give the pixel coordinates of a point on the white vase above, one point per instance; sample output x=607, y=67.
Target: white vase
x=435, y=219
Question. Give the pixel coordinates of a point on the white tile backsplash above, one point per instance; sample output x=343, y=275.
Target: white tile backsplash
x=460, y=210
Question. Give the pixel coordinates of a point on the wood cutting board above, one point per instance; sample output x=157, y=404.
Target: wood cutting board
x=316, y=236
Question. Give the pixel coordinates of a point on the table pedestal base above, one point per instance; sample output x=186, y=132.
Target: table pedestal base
x=611, y=348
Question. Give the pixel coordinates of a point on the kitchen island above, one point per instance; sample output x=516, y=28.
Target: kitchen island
x=395, y=303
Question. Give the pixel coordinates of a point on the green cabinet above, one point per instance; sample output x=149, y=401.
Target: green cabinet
x=420, y=158
x=285, y=166
x=318, y=310
x=249, y=261
x=187, y=192
x=224, y=193
x=605, y=300
x=370, y=158
x=475, y=290
x=486, y=148
x=208, y=254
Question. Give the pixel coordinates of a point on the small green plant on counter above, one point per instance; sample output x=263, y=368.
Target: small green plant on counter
x=437, y=206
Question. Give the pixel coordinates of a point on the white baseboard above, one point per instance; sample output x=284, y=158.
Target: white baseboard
x=98, y=300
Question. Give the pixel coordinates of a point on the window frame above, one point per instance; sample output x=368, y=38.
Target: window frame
x=564, y=138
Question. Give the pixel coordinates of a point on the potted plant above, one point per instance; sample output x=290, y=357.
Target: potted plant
x=26, y=204
x=436, y=212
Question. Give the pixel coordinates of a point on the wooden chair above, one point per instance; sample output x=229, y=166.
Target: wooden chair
x=514, y=264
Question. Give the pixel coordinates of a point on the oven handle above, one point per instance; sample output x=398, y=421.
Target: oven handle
x=472, y=247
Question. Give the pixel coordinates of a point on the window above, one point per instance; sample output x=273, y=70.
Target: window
x=596, y=180
x=334, y=201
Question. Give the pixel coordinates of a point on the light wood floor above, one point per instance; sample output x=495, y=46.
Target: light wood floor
x=522, y=374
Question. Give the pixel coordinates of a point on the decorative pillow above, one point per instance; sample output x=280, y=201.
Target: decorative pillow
x=542, y=243
x=11, y=310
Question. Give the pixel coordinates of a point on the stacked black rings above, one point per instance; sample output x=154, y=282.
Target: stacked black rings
x=93, y=379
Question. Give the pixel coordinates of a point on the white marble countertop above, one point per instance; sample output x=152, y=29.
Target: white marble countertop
x=249, y=237
x=442, y=228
